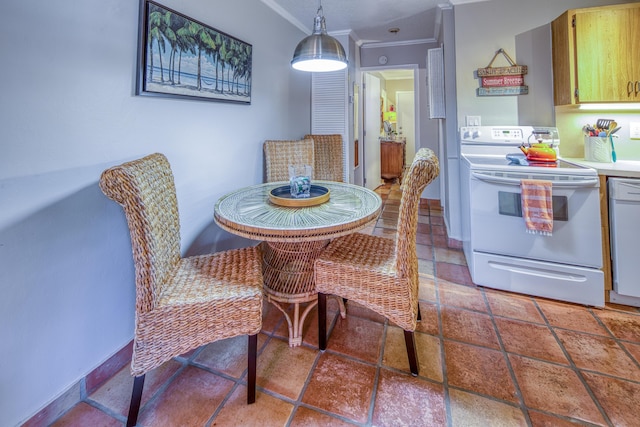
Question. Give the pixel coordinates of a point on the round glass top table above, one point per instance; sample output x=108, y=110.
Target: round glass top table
x=295, y=236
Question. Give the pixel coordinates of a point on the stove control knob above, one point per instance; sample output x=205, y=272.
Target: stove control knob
x=476, y=133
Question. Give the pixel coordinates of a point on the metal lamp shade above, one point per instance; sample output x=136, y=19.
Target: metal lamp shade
x=319, y=52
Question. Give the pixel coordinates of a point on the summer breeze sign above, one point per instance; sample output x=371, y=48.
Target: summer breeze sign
x=498, y=81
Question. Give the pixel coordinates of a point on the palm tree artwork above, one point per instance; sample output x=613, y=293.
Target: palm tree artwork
x=183, y=57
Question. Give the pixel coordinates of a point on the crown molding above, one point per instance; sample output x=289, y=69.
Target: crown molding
x=286, y=15
x=370, y=45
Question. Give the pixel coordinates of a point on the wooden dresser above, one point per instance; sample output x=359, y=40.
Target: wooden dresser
x=392, y=154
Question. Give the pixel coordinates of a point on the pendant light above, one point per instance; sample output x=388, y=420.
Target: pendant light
x=319, y=52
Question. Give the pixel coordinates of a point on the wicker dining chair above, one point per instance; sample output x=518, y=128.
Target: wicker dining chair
x=181, y=303
x=329, y=157
x=279, y=154
x=379, y=273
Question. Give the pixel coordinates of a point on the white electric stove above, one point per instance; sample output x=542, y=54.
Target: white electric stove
x=500, y=252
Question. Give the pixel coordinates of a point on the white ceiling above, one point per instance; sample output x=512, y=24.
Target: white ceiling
x=369, y=21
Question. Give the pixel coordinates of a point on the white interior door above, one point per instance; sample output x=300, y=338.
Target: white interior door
x=372, y=123
x=406, y=120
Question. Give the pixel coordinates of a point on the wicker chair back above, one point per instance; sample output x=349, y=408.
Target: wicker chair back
x=424, y=169
x=279, y=154
x=329, y=157
x=146, y=191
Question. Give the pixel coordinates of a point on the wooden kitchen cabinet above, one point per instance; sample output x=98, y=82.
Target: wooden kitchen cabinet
x=596, y=55
x=392, y=155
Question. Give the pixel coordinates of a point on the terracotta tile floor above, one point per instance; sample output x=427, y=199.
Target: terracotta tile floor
x=487, y=358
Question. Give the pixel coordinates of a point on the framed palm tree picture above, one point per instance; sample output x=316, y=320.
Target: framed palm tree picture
x=181, y=57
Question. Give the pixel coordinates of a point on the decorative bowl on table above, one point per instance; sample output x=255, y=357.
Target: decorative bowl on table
x=281, y=196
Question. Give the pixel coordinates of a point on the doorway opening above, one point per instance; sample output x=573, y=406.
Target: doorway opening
x=389, y=95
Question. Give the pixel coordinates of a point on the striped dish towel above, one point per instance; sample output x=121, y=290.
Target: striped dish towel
x=537, y=207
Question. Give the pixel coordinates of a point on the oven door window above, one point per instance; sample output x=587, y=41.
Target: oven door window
x=510, y=204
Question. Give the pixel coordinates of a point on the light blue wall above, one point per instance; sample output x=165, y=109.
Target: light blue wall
x=68, y=111
x=483, y=28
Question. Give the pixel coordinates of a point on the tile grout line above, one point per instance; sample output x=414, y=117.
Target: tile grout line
x=618, y=341
x=505, y=354
x=298, y=402
x=376, y=378
x=443, y=353
x=573, y=366
x=237, y=381
x=160, y=389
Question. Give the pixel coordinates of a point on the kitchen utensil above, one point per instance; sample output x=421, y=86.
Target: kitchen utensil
x=613, y=128
x=585, y=130
x=604, y=123
x=613, y=150
x=588, y=130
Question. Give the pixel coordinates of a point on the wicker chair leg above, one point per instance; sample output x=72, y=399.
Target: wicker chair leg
x=251, y=374
x=410, y=341
x=322, y=321
x=136, y=397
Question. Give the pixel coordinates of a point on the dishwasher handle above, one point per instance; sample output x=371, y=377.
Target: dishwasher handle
x=624, y=189
x=591, y=182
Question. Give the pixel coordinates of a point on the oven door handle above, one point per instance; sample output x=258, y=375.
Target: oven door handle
x=515, y=181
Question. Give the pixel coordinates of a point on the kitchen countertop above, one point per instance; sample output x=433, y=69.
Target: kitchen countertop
x=621, y=168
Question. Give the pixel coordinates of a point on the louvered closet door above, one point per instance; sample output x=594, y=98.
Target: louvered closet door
x=329, y=110
x=435, y=81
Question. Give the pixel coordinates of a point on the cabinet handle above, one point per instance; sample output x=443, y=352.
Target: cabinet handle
x=629, y=88
x=637, y=85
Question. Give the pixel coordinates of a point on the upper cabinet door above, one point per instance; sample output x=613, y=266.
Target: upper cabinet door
x=607, y=54
x=596, y=55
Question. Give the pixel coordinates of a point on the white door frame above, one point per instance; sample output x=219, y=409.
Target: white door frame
x=416, y=91
x=408, y=134
x=371, y=164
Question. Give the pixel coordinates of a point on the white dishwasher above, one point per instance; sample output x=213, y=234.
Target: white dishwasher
x=624, y=218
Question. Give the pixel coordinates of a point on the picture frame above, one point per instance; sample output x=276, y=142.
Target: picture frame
x=180, y=57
